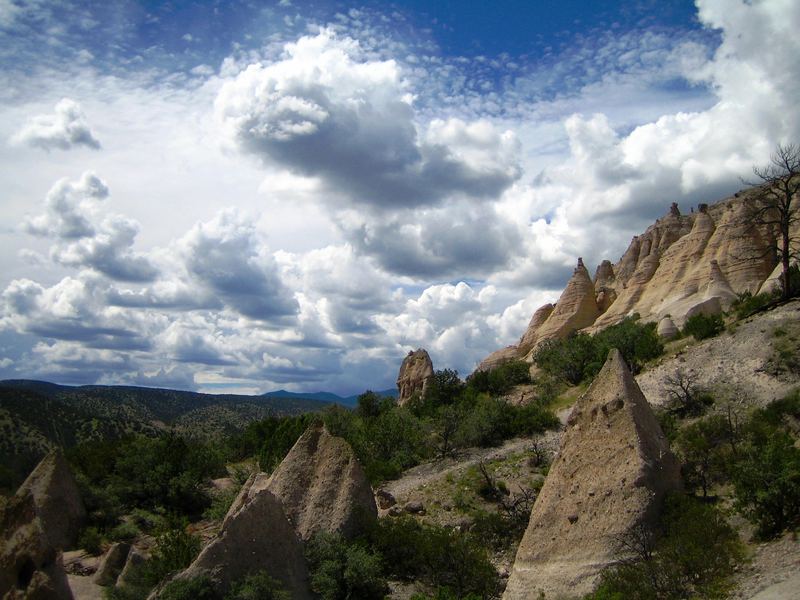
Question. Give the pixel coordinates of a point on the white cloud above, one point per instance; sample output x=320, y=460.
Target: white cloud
x=65, y=129
x=323, y=110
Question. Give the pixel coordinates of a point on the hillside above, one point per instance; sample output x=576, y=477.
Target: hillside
x=36, y=416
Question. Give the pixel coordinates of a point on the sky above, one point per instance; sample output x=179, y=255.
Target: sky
x=243, y=196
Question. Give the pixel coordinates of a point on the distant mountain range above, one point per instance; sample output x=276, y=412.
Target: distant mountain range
x=38, y=415
x=325, y=396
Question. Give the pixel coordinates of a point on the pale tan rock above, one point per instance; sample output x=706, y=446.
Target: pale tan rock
x=415, y=373
x=255, y=536
x=529, y=338
x=31, y=568
x=57, y=498
x=322, y=486
x=667, y=329
x=498, y=357
x=603, y=276
x=611, y=473
x=576, y=308
x=112, y=564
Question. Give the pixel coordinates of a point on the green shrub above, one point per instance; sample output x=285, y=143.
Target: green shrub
x=767, y=482
x=198, y=588
x=220, y=503
x=124, y=532
x=500, y=379
x=438, y=556
x=746, y=304
x=342, y=570
x=258, y=586
x=691, y=555
x=705, y=452
x=703, y=326
x=580, y=356
x=90, y=540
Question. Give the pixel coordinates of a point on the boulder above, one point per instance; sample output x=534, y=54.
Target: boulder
x=385, y=499
x=31, y=567
x=415, y=372
x=609, y=478
x=255, y=536
x=57, y=499
x=112, y=564
x=666, y=329
x=135, y=558
x=322, y=486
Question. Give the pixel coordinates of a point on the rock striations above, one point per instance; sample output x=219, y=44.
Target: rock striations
x=612, y=471
x=39, y=521
x=415, y=372
x=319, y=486
x=680, y=266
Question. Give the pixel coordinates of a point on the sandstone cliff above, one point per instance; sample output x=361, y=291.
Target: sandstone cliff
x=415, y=372
x=681, y=265
x=611, y=473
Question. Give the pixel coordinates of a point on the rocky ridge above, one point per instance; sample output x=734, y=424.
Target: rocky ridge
x=680, y=266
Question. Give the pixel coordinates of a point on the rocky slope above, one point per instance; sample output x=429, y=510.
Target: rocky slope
x=681, y=265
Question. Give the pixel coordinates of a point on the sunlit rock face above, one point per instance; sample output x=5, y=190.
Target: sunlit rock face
x=415, y=373
x=610, y=476
x=681, y=265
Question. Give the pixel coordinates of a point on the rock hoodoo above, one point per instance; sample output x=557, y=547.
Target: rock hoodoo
x=319, y=486
x=39, y=521
x=255, y=536
x=576, y=308
x=57, y=499
x=680, y=266
x=415, y=372
x=322, y=486
x=610, y=476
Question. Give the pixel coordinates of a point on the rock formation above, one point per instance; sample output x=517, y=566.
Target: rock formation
x=57, y=499
x=255, y=536
x=666, y=329
x=680, y=266
x=112, y=564
x=319, y=486
x=322, y=486
x=39, y=521
x=612, y=471
x=576, y=308
x=498, y=357
x=415, y=372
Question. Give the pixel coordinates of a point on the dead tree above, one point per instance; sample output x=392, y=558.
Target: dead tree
x=774, y=203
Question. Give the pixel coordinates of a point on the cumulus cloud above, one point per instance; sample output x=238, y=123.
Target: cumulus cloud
x=71, y=310
x=324, y=111
x=71, y=218
x=67, y=128
x=228, y=258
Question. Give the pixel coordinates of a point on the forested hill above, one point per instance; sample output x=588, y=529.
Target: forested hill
x=37, y=415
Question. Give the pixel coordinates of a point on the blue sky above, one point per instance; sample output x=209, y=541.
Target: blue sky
x=252, y=195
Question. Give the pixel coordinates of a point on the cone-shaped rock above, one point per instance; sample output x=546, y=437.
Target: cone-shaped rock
x=576, y=307
x=57, y=499
x=610, y=476
x=322, y=486
x=667, y=329
x=255, y=536
x=497, y=358
x=30, y=567
x=415, y=372
x=604, y=275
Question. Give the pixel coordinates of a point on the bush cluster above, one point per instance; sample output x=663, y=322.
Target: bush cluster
x=692, y=554
x=758, y=456
x=703, y=326
x=580, y=356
